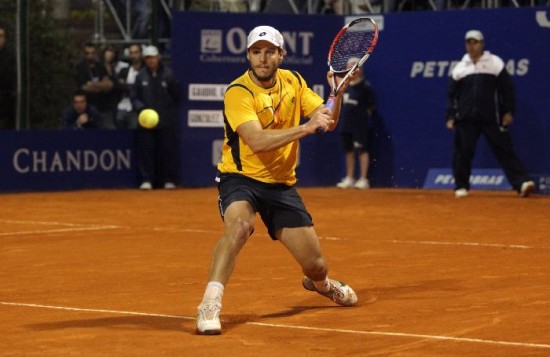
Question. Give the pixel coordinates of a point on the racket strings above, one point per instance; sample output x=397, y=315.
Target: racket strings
x=351, y=44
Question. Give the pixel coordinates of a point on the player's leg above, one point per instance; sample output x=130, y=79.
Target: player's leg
x=303, y=244
x=238, y=225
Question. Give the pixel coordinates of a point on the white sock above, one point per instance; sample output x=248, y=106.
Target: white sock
x=214, y=292
x=323, y=285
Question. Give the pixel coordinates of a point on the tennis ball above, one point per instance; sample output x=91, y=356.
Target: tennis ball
x=148, y=118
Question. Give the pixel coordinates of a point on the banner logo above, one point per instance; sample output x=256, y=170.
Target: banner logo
x=205, y=118
x=481, y=179
x=27, y=161
x=229, y=46
x=211, y=41
x=207, y=92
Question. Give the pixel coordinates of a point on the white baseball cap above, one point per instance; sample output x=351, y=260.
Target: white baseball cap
x=265, y=33
x=474, y=35
x=150, y=51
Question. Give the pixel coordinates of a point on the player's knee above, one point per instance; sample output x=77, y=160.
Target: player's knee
x=242, y=229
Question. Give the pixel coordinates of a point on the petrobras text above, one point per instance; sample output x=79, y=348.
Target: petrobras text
x=482, y=179
x=443, y=68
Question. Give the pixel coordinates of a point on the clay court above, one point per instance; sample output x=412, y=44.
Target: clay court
x=120, y=272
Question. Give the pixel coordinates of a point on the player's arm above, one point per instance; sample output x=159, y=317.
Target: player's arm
x=335, y=113
x=262, y=140
x=241, y=113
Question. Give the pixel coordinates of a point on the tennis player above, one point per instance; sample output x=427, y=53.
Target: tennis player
x=262, y=111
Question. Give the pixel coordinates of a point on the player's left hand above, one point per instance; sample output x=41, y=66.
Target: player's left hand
x=339, y=79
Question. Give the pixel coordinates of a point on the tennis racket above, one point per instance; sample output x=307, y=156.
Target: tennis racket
x=356, y=40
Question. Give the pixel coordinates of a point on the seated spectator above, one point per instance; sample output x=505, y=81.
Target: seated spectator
x=80, y=114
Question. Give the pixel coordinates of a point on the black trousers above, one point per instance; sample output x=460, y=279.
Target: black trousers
x=466, y=135
x=157, y=155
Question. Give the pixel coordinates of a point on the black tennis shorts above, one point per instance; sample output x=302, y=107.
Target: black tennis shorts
x=279, y=205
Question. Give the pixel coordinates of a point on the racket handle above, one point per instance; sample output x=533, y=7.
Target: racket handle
x=329, y=104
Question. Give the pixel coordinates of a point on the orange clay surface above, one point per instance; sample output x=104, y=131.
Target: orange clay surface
x=121, y=272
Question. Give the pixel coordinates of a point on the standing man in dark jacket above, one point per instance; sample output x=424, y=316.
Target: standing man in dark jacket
x=480, y=100
x=157, y=88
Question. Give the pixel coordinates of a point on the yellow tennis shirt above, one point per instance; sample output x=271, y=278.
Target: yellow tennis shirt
x=279, y=107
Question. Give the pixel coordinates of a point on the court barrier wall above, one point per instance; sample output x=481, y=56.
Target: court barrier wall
x=409, y=71
x=50, y=160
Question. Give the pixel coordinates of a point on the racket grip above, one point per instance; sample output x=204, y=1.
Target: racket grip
x=330, y=102
x=330, y=105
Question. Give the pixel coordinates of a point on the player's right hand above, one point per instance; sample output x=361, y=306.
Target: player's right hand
x=320, y=119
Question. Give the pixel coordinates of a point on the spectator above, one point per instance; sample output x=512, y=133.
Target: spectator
x=257, y=172
x=111, y=61
x=8, y=83
x=126, y=117
x=143, y=12
x=481, y=90
x=93, y=79
x=80, y=114
x=113, y=66
x=157, y=88
x=357, y=109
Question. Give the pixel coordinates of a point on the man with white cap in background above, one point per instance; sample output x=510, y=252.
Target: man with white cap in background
x=262, y=112
x=480, y=100
x=156, y=87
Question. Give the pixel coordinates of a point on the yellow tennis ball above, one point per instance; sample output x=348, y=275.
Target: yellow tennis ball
x=148, y=118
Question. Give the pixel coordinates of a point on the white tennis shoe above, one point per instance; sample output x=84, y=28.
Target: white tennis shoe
x=338, y=292
x=347, y=182
x=362, y=184
x=526, y=189
x=208, y=318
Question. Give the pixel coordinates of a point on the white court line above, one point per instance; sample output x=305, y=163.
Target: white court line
x=84, y=227
x=47, y=223
x=471, y=244
x=94, y=228
x=75, y=227
x=294, y=327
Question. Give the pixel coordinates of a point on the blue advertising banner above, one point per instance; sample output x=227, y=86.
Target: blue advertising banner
x=411, y=74
x=209, y=51
x=51, y=160
x=480, y=179
x=409, y=71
